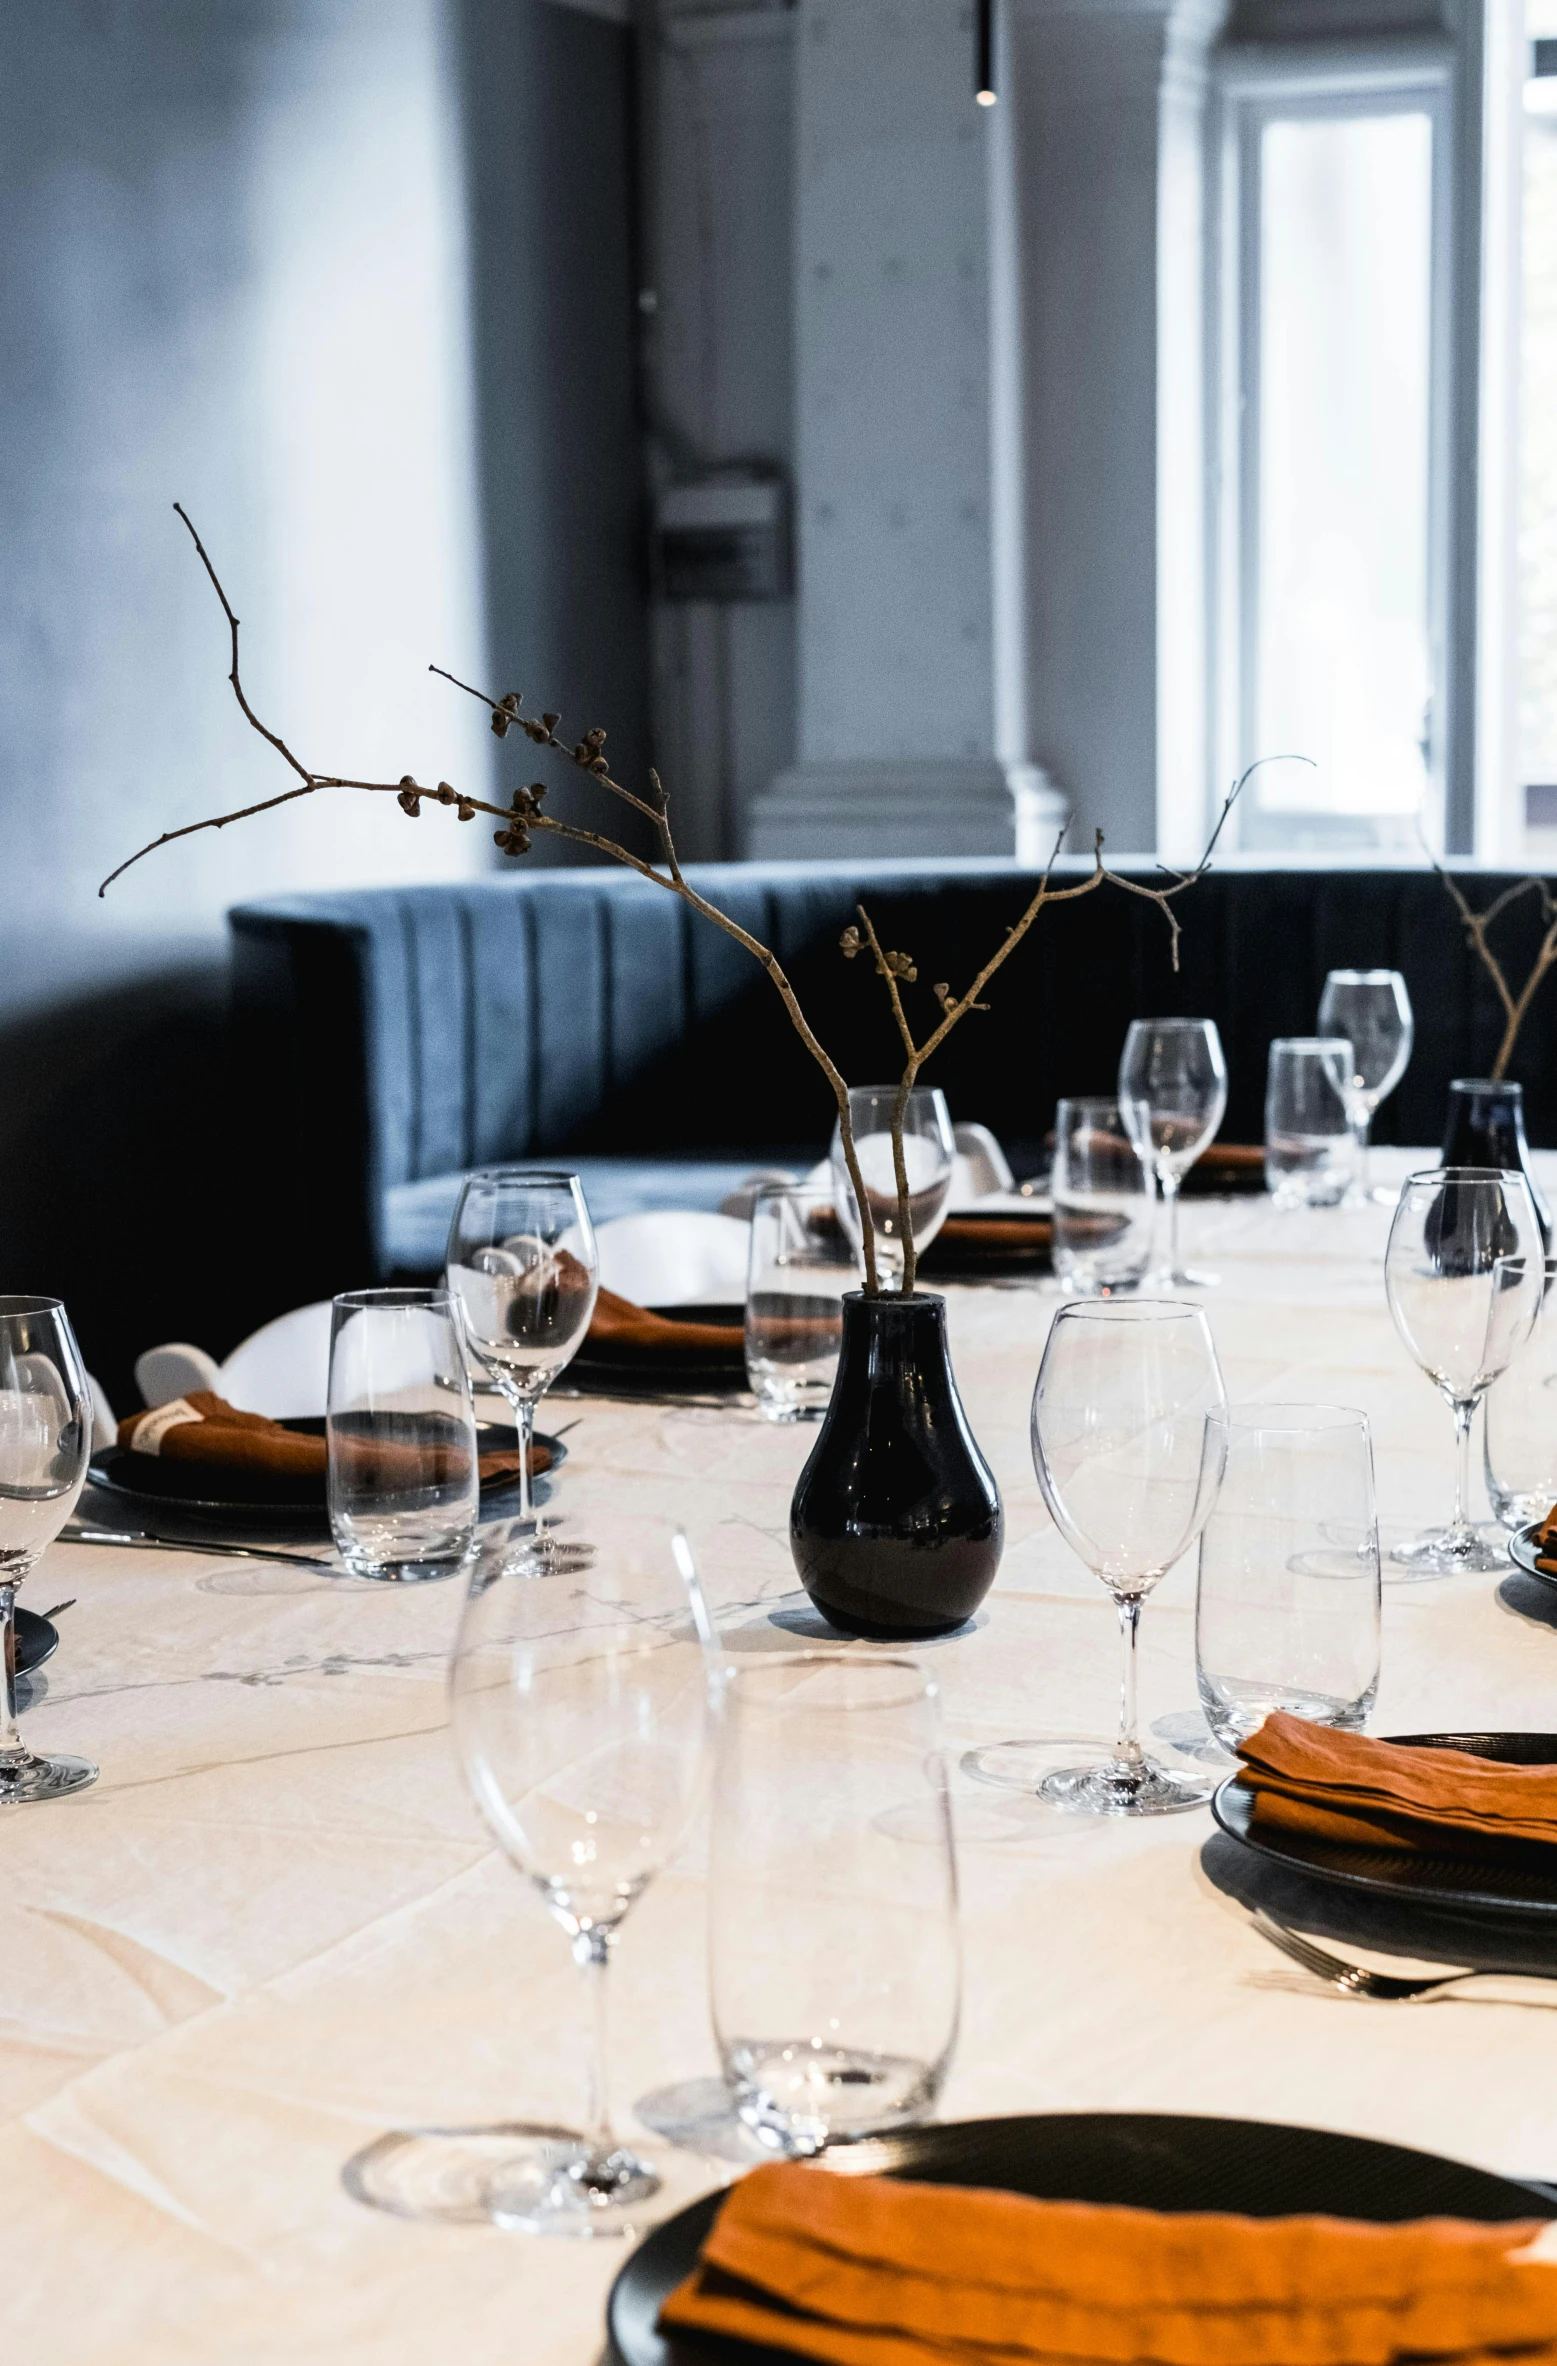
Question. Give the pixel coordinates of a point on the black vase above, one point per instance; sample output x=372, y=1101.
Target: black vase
x=1487, y=1129
x=896, y=1524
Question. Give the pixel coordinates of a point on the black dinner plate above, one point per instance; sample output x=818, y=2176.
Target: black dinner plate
x=603, y=1371
x=168, y=1501
x=1005, y=1243
x=37, y=1639
x=1522, y=1551
x=1522, y=1883
x=1147, y=2160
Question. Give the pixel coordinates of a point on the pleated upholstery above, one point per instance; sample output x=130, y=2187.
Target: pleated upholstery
x=421, y=1031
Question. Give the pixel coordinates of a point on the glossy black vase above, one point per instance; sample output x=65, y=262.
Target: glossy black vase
x=1487, y=1129
x=896, y=1524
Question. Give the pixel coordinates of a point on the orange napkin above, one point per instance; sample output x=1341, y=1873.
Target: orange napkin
x=203, y=1427
x=619, y=1326
x=1546, y=1543
x=1342, y=1786
x=872, y=2271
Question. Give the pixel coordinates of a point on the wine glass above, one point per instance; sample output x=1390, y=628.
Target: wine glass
x=1371, y=1009
x=45, y=1442
x=929, y=1148
x=1464, y=1273
x=1129, y=1463
x=523, y=1269
x=582, y=1715
x=1175, y=1067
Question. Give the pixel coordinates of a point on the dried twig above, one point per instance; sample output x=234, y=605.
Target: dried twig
x=899, y=969
x=1478, y=926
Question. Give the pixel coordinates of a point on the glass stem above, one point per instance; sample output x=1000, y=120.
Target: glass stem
x=1129, y=1741
x=1170, y=1192
x=592, y=1954
x=1464, y=1414
x=1360, y=1125
x=11, y=1751
x=523, y=1409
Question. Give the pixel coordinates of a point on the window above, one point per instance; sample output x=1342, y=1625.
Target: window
x=1535, y=732
x=1333, y=532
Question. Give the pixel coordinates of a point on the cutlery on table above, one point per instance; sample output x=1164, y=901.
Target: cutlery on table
x=133, y=1541
x=1355, y=1979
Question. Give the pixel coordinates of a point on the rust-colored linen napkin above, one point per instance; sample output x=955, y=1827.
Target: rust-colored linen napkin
x=1343, y=1786
x=204, y=1428
x=873, y=2271
x=622, y=1329
x=1546, y=1543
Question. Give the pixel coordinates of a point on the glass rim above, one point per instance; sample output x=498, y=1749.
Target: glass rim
x=25, y=1302
x=1132, y=1310
x=1175, y=1021
x=1310, y=1043
x=879, y=1092
x=1100, y=1101
x=1365, y=977
x=1286, y=1415
x=1486, y=1084
x=1461, y=1174
x=825, y=1191
x=503, y=1175
x=744, y=1678
x=393, y=1297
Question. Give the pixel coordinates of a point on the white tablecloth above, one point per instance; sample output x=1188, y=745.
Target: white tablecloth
x=275, y=1926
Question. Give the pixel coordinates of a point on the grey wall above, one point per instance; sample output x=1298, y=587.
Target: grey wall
x=239, y=270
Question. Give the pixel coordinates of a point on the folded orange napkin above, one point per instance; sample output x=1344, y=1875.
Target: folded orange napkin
x=1343, y=1786
x=1546, y=1543
x=873, y=2271
x=204, y=1428
x=620, y=1326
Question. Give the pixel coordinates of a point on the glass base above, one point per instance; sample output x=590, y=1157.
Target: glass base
x=530, y=2177
x=559, y=2185
x=402, y=1573
x=1126, y=1787
x=30, y=1777
x=1453, y=1552
x=1180, y=1277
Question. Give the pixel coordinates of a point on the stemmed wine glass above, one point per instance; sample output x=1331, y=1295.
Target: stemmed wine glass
x=523, y=1269
x=582, y=1715
x=1175, y=1068
x=929, y=1148
x=45, y=1443
x=1371, y=1010
x=1464, y=1273
x=1129, y=1463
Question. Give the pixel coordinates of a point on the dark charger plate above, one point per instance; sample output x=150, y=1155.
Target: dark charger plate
x=37, y=1639
x=601, y=1370
x=171, y=1500
x=1147, y=2160
x=1523, y=1882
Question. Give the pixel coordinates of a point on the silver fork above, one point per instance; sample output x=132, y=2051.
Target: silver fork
x=1355, y=1979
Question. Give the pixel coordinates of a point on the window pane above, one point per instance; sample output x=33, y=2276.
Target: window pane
x=1341, y=620
x=1537, y=735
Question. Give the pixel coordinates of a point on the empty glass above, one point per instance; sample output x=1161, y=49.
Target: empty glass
x=1463, y=1273
x=1371, y=1009
x=801, y=1263
x=522, y=1265
x=834, y=1960
x=1104, y=1197
x=1175, y=1066
x=1287, y=1608
x=581, y=1714
x=928, y=1151
x=1128, y=1462
x=1519, y=1434
x=1310, y=1157
x=403, y=1477
x=45, y=1441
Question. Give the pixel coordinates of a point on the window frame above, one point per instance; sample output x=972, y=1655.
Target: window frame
x=1250, y=91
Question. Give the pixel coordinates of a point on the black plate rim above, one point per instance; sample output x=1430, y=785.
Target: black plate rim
x=100, y=1474
x=44, y=1639
x=1521, y=1551
x=1230, y=1810
x=1532, y=2201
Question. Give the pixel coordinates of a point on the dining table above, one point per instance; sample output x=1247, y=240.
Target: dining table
x=276, y=1927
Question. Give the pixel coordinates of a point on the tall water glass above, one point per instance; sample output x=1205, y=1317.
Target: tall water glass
x=800, y=1264
x=45, y=1442
x=582, y=1716
x=928, y=1151
x=1371, y=1009
x=1519, y=1434
x=1287, y=1608
x=1104, y=1197
x=1175, y=1067
x=834, y=1961
x=1463, y=1272
x=401, y=1430
x=1309, y=1154
x=523, y=1268
x=1128, y=1461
